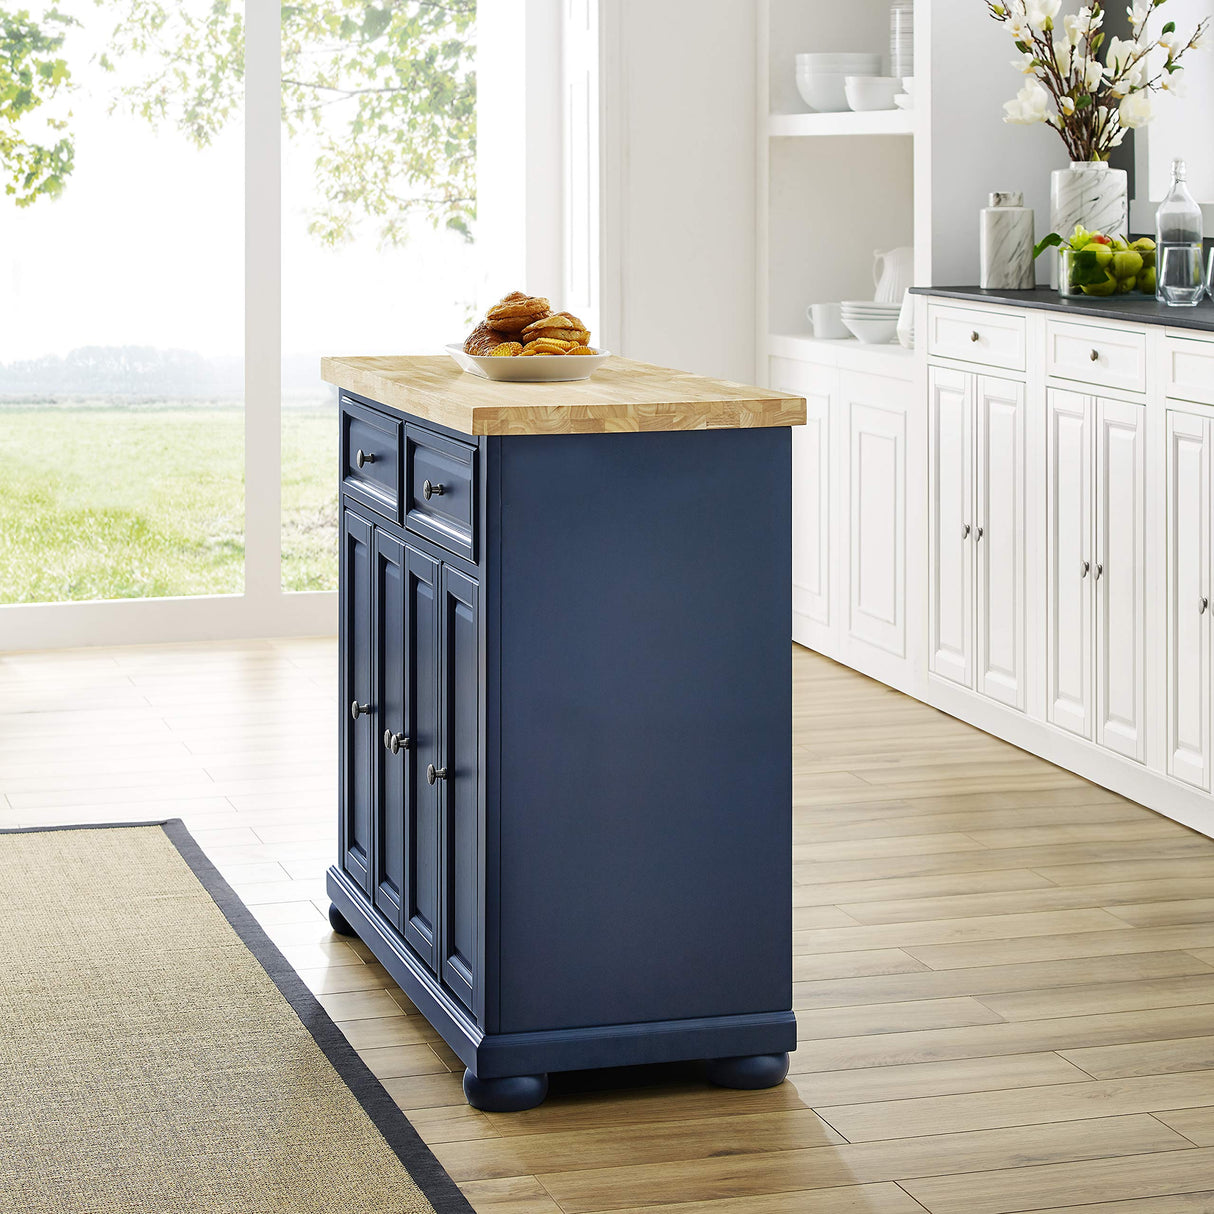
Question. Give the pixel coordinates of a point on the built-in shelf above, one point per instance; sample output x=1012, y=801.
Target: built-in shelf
x=848, y=122
x=890, y=359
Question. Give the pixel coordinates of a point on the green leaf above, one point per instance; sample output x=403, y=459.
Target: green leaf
x=1053, y=240
x=1169, y=28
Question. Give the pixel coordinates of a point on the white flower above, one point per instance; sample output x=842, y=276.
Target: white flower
x=1125, y=65
x=1201, y=39
x=1138, y=14
x=1067, y=106
x=1090, y=73
x=1029, y=106
x=1173, y=82
x=1117, y=139
x=1082, y=24
x=1135, y=109
x=1041, y=13
x=1062, y=57
x=1020, y=30
x=1024, y=63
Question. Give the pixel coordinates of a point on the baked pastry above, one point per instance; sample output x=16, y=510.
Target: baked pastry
x=582, y=350
x=514, y=312
x=546, y=345
x=508, y=349
x=484, y=339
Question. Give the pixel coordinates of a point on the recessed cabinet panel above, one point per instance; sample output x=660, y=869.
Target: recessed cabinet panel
x=1097, y=354
x=459, y=797
x=1069, y=562
x=811, y=511
x=1118, y=575
x=999, y=540
x=1189, y=364
x=951, y=504
x=877, y=526
x=1188, y=680
x=358, y=715
x=421, y=714
x=993, y=339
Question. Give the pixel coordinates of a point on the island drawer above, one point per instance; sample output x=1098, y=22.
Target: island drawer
x=994, y=339
x=440, y=490
x=371, y=458
x=1189, y=367
x=1097, y=354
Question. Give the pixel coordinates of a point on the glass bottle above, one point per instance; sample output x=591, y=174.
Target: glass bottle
x=1178, y=235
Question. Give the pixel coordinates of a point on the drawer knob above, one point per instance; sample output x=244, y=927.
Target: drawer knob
x=395, y=742
x=1099, y=570
x=974, y=335
x=363, y=458
x=357, y=710
x=435, y=773
x=978, y=533
x=965, y=531
x=1204, y=603
x=429, y=491
x=1095, y=356
x=1084, y=571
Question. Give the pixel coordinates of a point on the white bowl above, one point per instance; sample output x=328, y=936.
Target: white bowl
x=908, y=85
x=873, y=332
x=904, y=101
x=531, y=370
x=870, y=92
x=823, y=91
x=831, y=58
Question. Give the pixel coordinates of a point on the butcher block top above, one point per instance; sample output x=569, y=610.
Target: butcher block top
x=622, y=395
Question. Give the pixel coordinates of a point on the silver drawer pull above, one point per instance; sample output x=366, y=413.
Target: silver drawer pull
x=363, y=458
x=1205, y=602
x=1095, y=356
x=395, y=742
x=435, y=773
x=965, y=531
x=1084, y=571
x=1099, y=570
x=978, y=534
x=974, y=335
x=358, y=710
x=429, y=490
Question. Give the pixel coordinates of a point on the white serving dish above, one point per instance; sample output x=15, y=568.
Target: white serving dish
x=820, y=78
x=865, y=93
x=873, y=332
x=531, y=370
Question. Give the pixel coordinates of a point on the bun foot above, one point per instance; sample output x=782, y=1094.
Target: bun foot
x=511, y=1095
x=339, y=923
x=749, y=1071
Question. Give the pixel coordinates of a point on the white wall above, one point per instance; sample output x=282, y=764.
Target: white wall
x=678, y=93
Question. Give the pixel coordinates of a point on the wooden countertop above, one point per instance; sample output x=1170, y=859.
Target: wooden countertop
x=622, y=395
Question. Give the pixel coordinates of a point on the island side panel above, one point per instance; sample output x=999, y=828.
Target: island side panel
x=645, y=794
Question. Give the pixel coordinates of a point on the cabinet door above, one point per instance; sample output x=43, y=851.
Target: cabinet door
x=811, y=511
x=390, y=770
x=1188, y=491
x=460, y=796
x=951, y=524
x=876, y=496
x=999, y=540
x=421, y=888
x=355, y=681
x=1119, y=573
x=1069, y=561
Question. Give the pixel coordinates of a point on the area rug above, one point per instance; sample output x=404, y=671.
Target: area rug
x=159, y=1055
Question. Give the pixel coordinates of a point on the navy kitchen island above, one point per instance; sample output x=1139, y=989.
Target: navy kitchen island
x=566, y=720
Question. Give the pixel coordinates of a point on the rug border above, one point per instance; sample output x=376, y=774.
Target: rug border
x=388, y=1118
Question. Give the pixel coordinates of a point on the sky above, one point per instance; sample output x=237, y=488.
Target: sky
x=146, y=247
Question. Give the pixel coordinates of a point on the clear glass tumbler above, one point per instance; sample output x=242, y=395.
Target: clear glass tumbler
x=1180, y=274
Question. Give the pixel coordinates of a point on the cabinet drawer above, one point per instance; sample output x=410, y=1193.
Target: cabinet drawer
x=440, y=490
x=1096, y=354
x=371, y=458
x=1189, y=366
x=994, y=339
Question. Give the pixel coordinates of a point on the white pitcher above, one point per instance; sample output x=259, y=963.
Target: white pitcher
x=893, y=273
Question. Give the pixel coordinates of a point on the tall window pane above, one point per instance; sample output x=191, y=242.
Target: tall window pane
x=121, y=301
x=379, y=106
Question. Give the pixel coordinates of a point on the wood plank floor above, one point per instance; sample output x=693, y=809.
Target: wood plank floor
x=1004, y=975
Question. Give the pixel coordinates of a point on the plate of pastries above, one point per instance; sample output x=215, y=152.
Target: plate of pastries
x=521, y=339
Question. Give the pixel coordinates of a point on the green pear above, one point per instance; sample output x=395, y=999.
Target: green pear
x=1126, y=263
x=1101, y=253
x=1143, y=244
x=1126, y=285
x=1146, y=281
x=1108, y=287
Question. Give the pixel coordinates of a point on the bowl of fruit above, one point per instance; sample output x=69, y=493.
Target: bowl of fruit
x=1096, y=266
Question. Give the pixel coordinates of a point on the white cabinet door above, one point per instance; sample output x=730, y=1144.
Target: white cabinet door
x=876, y=498
x=811, y=511
x=999, y=540
x=1119, y=574
x=1069, y=578
x=950, y=524
x=1188, y=676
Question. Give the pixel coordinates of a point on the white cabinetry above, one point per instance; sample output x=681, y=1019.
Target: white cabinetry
x=976, y=485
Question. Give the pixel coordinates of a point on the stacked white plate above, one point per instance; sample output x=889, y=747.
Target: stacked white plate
x=872, y=323
x=820, y=77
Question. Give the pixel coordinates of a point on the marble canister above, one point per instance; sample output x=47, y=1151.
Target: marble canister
x=1006, y=244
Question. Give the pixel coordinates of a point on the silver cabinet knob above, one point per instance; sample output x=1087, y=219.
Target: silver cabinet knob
x=435, y=773
x=978, y=534
x=1095, y=356
x=974, y=335
x=1084, y=571
x=965, y=531
x=429, y=490
x=1099, y=570
x=362, y=458
x=1204, y=603
x=357, y=710
x=395, y=742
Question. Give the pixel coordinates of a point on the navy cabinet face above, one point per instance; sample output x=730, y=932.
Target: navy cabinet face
x=357, y=701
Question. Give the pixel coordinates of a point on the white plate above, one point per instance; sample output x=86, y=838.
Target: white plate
x=556, y=368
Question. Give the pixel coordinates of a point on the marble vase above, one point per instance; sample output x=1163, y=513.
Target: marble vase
x=1088, y=193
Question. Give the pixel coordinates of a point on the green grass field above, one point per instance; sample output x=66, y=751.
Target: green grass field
x=106, y=501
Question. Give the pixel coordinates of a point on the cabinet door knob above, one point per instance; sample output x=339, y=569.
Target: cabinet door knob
x=1095, y=356
x=357, y=710
x=1086, y=567
x=978, y=534
x=363, y=458
x=1204, y=603
x=974, y=335
x=965, y=531
x=395, y=742
x=429, y=490
x=435, y=773
x=1099, y=570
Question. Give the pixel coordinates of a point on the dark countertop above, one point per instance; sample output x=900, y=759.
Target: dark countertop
x=1132, y=308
